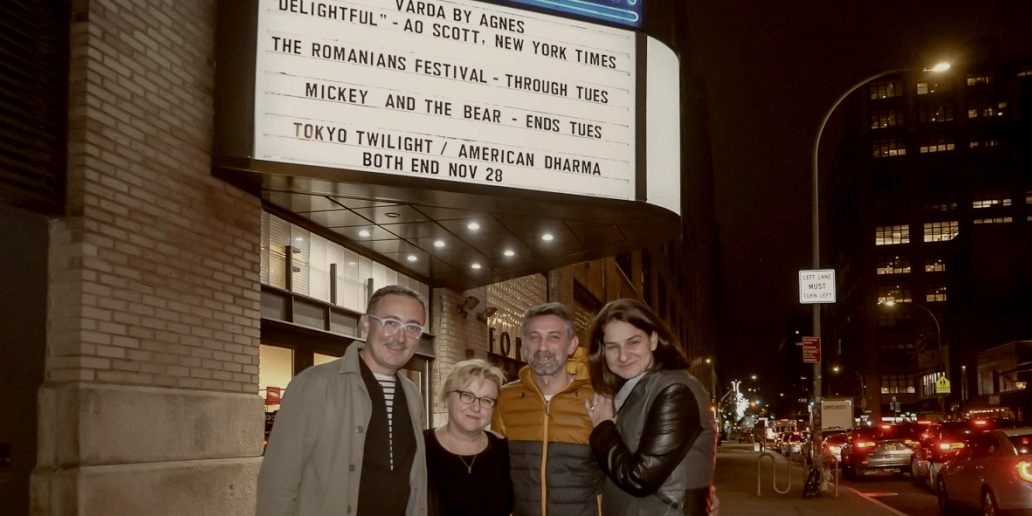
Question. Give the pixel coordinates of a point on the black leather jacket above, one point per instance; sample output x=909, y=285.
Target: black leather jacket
x=660, y=454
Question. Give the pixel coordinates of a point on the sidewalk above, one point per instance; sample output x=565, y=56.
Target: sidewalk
x=736, y=488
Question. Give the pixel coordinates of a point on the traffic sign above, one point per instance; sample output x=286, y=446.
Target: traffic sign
x=817, y=286
x=942, y=385
x=811, y=350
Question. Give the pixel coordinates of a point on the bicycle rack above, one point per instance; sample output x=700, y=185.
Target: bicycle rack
x=773, y=474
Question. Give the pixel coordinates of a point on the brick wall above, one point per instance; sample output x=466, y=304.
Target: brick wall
x=155, y=270
x=150, y=401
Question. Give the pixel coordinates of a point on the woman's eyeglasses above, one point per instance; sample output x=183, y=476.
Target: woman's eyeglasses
x=468, y=398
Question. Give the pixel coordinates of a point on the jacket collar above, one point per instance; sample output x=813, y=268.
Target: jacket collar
x=576, y=364
x=349, y=362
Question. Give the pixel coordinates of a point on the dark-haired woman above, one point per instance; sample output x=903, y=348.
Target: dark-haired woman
x=654, y=434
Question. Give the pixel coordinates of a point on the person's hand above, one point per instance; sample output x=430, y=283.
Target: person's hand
x=600, y=409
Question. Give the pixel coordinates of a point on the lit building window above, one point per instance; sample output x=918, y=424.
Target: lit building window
x=883, y=118
x=994, y=220
x=936, y=143
x=886, y=147
x=894, y=294
x=893, y=264
x=941, y=231
x=925, y=88
x=978, y=80
x=934, y=264
x=1025, y=71
x=892, y=235
x=885, y=89
x=897, y=384
x=981, y=138
x=986, y=109
x=935, y=112
x=935, y=293
x=990, y=197
x=311, y=260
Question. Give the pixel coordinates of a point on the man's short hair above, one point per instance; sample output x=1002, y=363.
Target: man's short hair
x=557, y=309
x=397, y=290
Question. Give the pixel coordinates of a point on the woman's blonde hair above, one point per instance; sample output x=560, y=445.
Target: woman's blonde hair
x=464, y=371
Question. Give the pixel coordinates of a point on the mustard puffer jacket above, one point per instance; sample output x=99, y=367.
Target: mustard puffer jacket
x=554, y=472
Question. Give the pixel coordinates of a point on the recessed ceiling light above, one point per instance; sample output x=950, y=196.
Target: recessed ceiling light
x=475, y=266
x=438, y=243
x=392, y=214
x=411, y=257
x=364, y=233
x=547, y=237
x=299, y=239
x=509, y=252
x=473, y=226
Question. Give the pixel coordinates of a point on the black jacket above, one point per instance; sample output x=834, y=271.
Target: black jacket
x=660, y=454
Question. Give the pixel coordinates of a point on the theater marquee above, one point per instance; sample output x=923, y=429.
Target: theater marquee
x=456, y=91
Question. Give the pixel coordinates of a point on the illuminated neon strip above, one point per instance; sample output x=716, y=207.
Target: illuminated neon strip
x=592, y=10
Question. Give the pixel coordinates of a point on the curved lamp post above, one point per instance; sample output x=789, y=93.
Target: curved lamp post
x=943, y=359
x=941, y=67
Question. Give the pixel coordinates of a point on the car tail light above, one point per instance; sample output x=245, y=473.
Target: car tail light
x=1025, y=471
x=864, y=444
x=910, y=442
x=835, y=450
x=946, y=446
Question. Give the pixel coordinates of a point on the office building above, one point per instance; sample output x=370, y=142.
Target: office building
x=926, y=203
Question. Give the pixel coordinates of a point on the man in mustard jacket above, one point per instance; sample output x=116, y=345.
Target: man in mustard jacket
x=544, y=416
x=348, y=438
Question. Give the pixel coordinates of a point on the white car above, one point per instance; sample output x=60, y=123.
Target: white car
x=993, y=473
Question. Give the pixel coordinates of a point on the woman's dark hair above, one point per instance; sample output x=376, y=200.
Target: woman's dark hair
x=631, y=311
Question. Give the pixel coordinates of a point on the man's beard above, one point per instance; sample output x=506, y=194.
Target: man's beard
x=549, y=369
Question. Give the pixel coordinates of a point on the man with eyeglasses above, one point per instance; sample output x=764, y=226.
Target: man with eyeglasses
x=348, y=438
x=543, y=415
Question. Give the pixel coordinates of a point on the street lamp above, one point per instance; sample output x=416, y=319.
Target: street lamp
x=941, y=67
x=942, y=359
x=712, y=373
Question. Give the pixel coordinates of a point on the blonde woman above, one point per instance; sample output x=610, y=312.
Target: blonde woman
x=468, y=466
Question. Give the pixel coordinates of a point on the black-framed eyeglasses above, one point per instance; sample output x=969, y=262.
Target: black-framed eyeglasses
x=468, y=398
x=392, y=325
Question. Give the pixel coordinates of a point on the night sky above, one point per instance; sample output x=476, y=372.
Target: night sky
x=772, y=70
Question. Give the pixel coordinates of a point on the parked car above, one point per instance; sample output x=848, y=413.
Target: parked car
x=881, y=447
x=993, y=473
x=941, y=441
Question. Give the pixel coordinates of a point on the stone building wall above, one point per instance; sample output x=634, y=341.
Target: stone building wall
x=150, y=398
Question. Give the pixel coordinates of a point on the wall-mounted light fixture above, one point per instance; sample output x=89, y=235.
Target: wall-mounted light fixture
x=486, y=313
x=468, y=305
